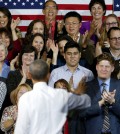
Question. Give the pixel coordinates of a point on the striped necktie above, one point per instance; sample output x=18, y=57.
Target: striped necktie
x=106, y=121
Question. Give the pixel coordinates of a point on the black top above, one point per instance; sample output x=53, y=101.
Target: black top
x=13, y=80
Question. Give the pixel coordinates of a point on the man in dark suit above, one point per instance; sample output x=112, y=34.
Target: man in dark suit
x=102, y=96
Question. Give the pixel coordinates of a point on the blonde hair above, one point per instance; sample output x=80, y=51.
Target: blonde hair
x=103, y=30
x=14, y=93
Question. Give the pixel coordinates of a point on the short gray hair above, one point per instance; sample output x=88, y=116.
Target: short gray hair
x=39, y=70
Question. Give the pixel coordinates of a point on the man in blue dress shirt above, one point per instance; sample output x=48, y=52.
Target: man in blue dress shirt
x=101, y=97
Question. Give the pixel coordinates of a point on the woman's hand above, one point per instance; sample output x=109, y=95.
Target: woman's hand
x=14, y=23
x=60, y=26
x=12, y=63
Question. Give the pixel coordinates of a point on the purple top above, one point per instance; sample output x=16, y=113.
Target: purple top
x=86, y=26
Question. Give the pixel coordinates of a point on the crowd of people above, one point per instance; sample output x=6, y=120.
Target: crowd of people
x=68, y=71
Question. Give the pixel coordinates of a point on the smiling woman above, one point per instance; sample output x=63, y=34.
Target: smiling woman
x=5, y=18
x=36, y=26
x=27, y=55
x=110, y=21
x=38, y=42
x=4, y=68
x=13, y=47
x=97, y=9
x=9, y=115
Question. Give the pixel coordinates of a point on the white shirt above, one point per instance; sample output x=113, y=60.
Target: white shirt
x=63, y=72
x=44, y=109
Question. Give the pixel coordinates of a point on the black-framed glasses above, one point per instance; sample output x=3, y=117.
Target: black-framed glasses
x=112, y=23
x=115, y=39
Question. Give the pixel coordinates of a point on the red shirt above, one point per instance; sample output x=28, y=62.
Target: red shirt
x=14, y=51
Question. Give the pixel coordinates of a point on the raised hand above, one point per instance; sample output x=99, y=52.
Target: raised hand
x=12, y=63
x=98, y=49
x=106, y=44
x=93, y=26
x=14, y=23
x=84, y=40
x=81, y=88
x=48, y=43
x=60, y=26
x=54, y=47
x=24, y=71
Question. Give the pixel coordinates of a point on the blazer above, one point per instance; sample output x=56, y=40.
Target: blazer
x=94, y=114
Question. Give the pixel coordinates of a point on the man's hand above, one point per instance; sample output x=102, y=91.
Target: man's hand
x=109, y=96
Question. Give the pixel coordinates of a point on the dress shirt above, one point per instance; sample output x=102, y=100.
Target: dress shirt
x=107, y=82
x=63, y=72
x=5, y=70
x=3, y=90
x=51, y=29
x=44, y=109
x=78, y=37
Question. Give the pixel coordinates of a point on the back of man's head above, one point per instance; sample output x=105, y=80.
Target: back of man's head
x=39, y=70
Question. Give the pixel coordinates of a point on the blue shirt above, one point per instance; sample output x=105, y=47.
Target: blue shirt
x=5, y=70
x=107, y=82
x=63, y=72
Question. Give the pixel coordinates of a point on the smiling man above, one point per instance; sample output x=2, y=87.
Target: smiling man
x=105, y=95
x=54, y=27
x=73, y=22
x=114, y=49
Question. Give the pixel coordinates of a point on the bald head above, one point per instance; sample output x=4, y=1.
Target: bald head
x=39, y=70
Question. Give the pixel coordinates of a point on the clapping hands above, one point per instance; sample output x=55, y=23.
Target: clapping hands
x=109, y=96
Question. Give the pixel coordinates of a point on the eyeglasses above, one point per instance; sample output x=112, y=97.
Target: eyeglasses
x=115, y=39
x=112, y=23
x=50, y=7
x=72, y=23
